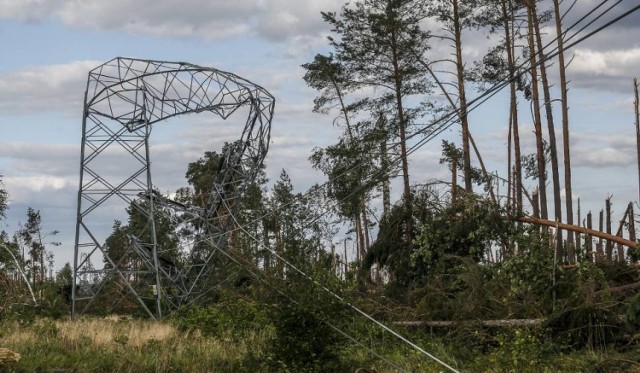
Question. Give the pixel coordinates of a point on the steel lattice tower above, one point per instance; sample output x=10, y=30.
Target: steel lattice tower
x=124, y=99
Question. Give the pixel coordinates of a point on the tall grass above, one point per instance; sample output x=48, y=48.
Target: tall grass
x=131, y=345
x=126, y=345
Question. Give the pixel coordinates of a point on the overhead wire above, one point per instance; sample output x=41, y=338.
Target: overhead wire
x=336, y=296
x=435, y=128
x=263, y=279
x=448, y=119
x=445, y=121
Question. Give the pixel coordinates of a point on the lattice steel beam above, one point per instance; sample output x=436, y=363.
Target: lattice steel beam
x=124, y=98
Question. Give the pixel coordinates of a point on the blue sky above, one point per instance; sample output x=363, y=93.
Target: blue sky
x=50, y=45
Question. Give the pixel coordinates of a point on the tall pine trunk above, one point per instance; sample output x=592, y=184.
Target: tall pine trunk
x=565, y=127
x=384, y=165
x=402, y=122
x=535, y=100
x=466, y=153
x=553, y=150
x=508, y=25
x=636, y=107
x=508, y=19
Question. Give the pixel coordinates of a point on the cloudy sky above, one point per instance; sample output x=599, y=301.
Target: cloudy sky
x=50, y=45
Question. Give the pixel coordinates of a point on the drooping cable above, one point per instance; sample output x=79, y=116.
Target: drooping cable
x=336, y=296
x=435, y=128
x=448, y=119
x=338, y=330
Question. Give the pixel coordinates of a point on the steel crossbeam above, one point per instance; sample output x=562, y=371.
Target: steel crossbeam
x=125, y=97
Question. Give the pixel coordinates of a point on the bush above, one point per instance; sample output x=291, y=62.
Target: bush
x=520, y=350
x=302, y=338
x=231, y=317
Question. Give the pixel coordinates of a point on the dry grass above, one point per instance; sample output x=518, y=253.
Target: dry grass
x=105, y=332
x=125, y=345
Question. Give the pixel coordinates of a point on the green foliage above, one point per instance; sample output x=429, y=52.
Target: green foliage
x=632, y=314
x=520, y=350
x=467, y=291
x=586, y=325
x=346, y=165
x=303, y=339
x=468, y=228
x=117, y=243
x=201, y=175
x=453, y=156
x=4, y=198
x=528, y=279
x=390, y=250
x=530, y=162
x=232, y=317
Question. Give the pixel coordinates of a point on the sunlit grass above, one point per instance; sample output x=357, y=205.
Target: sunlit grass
x=126, y=345
x=115, y=344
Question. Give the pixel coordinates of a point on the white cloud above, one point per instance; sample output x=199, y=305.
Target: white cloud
x=604, y=69
x=41, y=88
x=26, y=10
x=289, y=141
x=201, y=18
x=612, y=63
x=35, y=183
x=275, y=20
x=602, y=158
x=284, y=19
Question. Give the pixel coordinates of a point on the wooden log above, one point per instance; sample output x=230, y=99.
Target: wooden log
x=574, y=228
x=618, y=289
x=485, y=323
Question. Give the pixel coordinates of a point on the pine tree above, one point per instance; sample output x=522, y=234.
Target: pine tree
x=378, y=42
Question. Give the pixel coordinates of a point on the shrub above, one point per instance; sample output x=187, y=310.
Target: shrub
x=230, y=317
x=302, y=338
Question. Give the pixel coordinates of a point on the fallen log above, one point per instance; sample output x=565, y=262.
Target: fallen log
x=484, y=323
x=618, y=289
x=575, y=228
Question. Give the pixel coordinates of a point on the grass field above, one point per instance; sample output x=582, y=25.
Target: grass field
x=114, y=344
x=123, y=345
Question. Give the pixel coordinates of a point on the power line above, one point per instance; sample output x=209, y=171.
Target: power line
x=339, y=298
x=447, y=120
x=264, y=278
x=436, y=127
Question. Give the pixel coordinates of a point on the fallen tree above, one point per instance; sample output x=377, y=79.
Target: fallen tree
x=575, y=228
x=484, y=323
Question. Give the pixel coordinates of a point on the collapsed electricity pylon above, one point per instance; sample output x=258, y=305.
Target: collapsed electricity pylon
x=125, y=98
